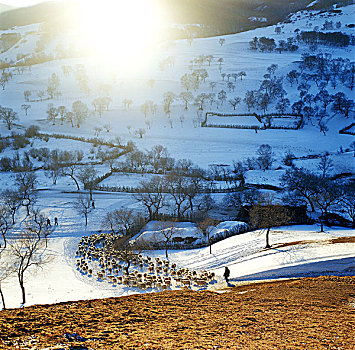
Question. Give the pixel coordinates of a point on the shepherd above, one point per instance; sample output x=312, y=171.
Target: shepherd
x=226, y=274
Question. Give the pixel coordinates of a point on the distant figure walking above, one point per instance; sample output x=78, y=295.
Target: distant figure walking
x=93, y=205
x=55, y=221
x=48, y=222
x=226, y=274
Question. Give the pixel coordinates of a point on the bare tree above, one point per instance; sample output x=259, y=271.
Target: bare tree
x=53, y=85
x=186, y=96
x=70, y=170
x=123, y=221
x=168, y=230
x=266, y=215
x=265, y=156
x=150, y=194
x=140, y=132
x=177, y=186
x=347, y=202
x=5, y=225
x=29, y=249
x=27, y=95
x=221, y=41
x=25, y=108
x=87, y=175
x=169, y=98
x=126, y=250
x=327, y=194
x=80, y=112
x=8, y=116
x=207, y=225
x=11, y=199
x=52, y=113
x=235, y=101
x=26, y=182
x=7, y=268
x=325, y=164
x=83, y=207
x=302, y=184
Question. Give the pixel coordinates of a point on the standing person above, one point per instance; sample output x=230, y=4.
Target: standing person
x=48, y=222
x=226, y=274
x=55, y=221
x=93, y=205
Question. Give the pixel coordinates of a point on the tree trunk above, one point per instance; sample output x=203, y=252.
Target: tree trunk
x=267, y=238
x=23, y=292
x=28, y=209
x=2, y=299
x=310, y=203
x=166, y=251
x=209, y=243
x=76, y=182
x=127, y=267
x=86, y=219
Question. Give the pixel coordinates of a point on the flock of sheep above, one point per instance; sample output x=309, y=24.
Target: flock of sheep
x=97, y=257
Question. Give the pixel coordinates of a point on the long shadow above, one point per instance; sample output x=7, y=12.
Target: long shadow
x=338, y=267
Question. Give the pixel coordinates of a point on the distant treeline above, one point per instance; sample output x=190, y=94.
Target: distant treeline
x=332, y=39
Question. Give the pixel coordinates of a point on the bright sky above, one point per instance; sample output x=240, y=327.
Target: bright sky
x=20, y=3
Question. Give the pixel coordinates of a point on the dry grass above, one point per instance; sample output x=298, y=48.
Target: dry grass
x=310, y=313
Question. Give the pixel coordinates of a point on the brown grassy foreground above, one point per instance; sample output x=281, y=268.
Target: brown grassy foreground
x=310, y=313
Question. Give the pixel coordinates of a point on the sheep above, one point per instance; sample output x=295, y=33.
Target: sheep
x=186, y=282
x=177, y=281
x=142, y=285
x=201, y=282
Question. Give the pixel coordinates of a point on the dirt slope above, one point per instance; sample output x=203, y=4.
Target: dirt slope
x=311, y=313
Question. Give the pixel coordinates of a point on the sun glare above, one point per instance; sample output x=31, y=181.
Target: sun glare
x=121, y=31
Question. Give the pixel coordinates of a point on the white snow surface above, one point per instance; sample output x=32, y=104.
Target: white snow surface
x=244, y=254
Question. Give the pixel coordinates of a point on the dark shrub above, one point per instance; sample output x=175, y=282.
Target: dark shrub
x=32, y=131
x=19, y=141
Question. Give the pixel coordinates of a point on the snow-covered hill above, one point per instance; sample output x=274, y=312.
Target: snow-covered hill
x=298, y=252
x=309, y=252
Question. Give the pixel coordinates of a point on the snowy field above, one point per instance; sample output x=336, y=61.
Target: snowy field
x=312, y=255
x=244, y=255
x=182, y=139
